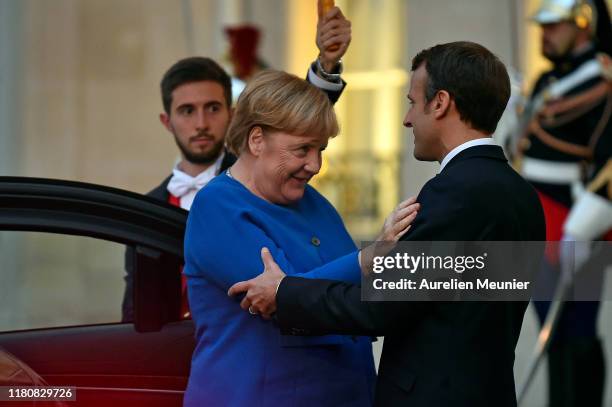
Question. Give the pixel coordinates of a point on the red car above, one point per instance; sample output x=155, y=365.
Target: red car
x=64, y=248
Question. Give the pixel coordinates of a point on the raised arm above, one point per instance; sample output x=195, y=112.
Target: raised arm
x=333, y=39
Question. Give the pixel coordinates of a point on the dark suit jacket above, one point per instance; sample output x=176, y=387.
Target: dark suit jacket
x=437, y=353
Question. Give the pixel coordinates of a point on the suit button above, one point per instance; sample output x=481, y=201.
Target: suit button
x=315, y=241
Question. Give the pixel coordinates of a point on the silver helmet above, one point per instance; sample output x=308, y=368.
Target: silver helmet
x=581, y=12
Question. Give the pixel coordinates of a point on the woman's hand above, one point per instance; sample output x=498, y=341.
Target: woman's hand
x=399, y=221
x=396, y=224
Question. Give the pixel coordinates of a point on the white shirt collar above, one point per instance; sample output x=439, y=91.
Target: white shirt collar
x=485, y=141
x=185, y=187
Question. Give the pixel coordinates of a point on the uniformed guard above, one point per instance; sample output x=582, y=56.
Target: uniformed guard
x=566, y=144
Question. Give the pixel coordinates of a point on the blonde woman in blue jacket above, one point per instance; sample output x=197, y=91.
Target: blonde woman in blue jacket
x=280, y=128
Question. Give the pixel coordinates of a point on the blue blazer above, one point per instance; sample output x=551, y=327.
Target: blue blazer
x=241, y=359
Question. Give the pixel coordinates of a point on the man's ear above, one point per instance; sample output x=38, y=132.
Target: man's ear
x=441, y=104
x=164, y=118
x=256, y=141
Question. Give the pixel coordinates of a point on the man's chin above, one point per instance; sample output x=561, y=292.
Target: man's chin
x=423, y=157
x=203, y=157
x=200, y=156
x=555, y=56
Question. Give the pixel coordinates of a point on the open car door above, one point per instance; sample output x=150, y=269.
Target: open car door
x=70, y=313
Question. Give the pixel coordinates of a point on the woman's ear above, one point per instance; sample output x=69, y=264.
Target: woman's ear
x=255, y=141
x=441, y=104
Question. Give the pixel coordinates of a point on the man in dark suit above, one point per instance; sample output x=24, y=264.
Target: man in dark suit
x=435, y=353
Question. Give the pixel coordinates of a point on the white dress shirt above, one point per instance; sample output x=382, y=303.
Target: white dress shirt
x=322, y=83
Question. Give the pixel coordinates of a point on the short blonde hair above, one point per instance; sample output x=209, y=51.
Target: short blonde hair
x=278, y=101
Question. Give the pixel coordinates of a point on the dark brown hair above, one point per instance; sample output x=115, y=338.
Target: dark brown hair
x=194, y=69
x=475, y=78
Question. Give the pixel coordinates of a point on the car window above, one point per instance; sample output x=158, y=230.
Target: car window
x=51, y=280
